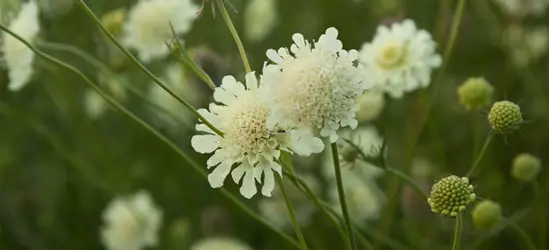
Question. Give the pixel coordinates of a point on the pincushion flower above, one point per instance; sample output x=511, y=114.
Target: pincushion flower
x=18, y=57
x=220, y=243
x=400, y=58
x=131, y=223
x=313, y=85
x=247, y=142
x=147, y=28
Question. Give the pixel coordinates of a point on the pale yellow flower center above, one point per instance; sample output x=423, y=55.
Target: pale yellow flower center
x=392, y=55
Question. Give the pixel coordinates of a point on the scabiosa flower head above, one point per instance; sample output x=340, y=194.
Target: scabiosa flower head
x=370, y=104
x=147, y=28
x=220, y=243
x=131, y=222
x=451, y=195
x=17, y=56
x=505, y=117
x=247, y=140
x=314, y=86
x=475, y=93
x=525, y=167
x=486, y=214
x=400, y=58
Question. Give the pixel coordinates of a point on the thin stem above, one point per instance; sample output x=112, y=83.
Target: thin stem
x=291, y=212
x=480, y=155
x=524, y=236
x=457, y=234
x=236, y=38
x=341, y=194
x=115, y=104
x=111, y=37
x=542, y=215
x=408, y=180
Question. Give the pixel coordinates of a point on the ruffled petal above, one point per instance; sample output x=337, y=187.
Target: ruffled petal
x=239, y=171
x=218, y=157
x=269, y=184
x=251, y=81
x=302, y=142
x=248, y=188
x=217, y=177
x=205, y=143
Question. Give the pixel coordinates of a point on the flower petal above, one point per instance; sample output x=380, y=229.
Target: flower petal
x=217, y=177
x=248, y=188
x=269, y=184
x=205, y=143
x=237, y=173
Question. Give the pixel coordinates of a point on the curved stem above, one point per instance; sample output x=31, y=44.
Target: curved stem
x=457, y=233
x=480, y=155
x=291, y=212
x=159, y=82
x=341, y=194
x=236, y=38
x=524, y=236
x=115, y=104
x=408, y=180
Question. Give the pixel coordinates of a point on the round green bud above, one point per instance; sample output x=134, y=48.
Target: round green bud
x=475, y=93
x=451, y=195
x=525, y=167
x=486, y=214
x=505, y=117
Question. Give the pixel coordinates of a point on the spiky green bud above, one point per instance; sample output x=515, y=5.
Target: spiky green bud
x=486, y=214
x=525, y=167
x=475, y=93
x=505, y=117
x=451, y=195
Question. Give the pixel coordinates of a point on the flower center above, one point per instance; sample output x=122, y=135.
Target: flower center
x=392, y=55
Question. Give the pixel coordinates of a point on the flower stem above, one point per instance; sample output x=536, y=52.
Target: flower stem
x=111, y=37
x=341, y=193
x=457, y=233
x=480, y=155
x=542, y=215
x=408, y=180
x=236, y=38
x=524, y=236
x=115, y=104
x=291, y=212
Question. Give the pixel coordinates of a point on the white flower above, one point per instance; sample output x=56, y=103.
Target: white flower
x=18, y=56
x=400, y=58
x=131, y=223
x=370, y=104
x=523, y=7
x=260, y=18
x=94, y=104
x=220, y=243
x=314, y=86
x=247, y=141
x=526, y=44
x=147, y=29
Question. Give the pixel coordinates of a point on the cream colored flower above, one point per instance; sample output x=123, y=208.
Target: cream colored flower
x=523, y=7
x=526, y=44
x=247, y=141
x=260, y=17
x=314, y=86
x=220, y=244
x=370, y=105
x=400, y=58
x=131, y=223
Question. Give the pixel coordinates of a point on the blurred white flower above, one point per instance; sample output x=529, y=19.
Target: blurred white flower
x=274, y=209
x=220, y=243
x=527, y=45
x=523, y=7
x=370, y=104
x=94, y=104
x=314, y=86
x=18, y=58
x=131, y=222
x=400, y=58
x=364, y=198
x=260, y=17
x=247, y=141
x=147, y=29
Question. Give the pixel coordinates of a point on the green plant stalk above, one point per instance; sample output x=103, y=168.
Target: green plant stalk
x=542, y=215
x=291, y=213
x=524, y=236
x=502, y=225
x=341, y=194
x=236, y=38
x=147, y=127
x=111, y=37
x=480, y=155
x=457, y=233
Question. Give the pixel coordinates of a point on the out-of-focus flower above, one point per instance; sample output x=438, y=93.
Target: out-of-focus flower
x=525, y=167
x=17, y=56
x=147, y=28
x=8, y=8
x=220, y=243
x=260, y=18
x=523, y=7
x=365, y=139
x=94, y=105
x=505, y=117
x=131, y=222
x=400, y=58
x=370, y=104
x=114, y=20
x=526, y=45
x=52, y=8
x=451, y=195
x=247, y=140
x=486, y=214
x=314, y=86
x=475, y=93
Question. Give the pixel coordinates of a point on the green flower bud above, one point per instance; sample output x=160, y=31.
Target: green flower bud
x=486, y=214
x=525, y=167
x=475, y=93
x=505, y=117
x=113, y=20
x=451, y=195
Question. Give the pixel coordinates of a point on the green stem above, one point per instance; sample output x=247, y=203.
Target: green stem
x=524, y=236
x=291, y=212
x=111, y=37
x=155, y=132
x=236, y=38
x=457, y=234
x=408, y=180
x=341, y=193
x=480, y=155
x=542, y=215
